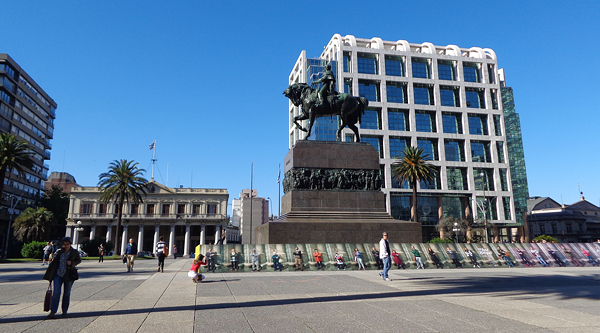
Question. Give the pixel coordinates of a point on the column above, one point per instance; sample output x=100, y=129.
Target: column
x=225, y=234
x=69, y=232
x=92, y=231
x=75, y=232
x=186, y=245
x=156, y=232
x=141, y=239
x=202, y=235
x=109, y=232
x=441, y=215
x=171, y=238
x=124, y=240
x=217, y=233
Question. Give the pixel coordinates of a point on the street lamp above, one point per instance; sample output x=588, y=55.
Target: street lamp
x=456, y=229
x=11, y=211
x=77, y=230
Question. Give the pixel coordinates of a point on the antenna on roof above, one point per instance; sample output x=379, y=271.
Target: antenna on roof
x=580, y=193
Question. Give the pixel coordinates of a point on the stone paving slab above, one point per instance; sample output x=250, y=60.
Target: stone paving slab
x=107, y=299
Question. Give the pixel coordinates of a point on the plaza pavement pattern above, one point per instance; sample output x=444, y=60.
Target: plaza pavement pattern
x=106, y=299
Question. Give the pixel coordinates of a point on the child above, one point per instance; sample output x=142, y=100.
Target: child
x=194, y=272
x=340, y=262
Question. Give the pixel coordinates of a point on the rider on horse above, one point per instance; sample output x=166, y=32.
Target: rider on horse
x=328, y=80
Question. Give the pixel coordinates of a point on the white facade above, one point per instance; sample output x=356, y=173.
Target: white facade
x=362, y=63
x=185, y=217
x=248, y=217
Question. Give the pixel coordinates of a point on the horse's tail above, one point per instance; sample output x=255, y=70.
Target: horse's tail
x=362, y=105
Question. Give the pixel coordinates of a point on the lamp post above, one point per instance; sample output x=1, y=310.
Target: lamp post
x=77, y=230
x=456, y=229
x=12, y=209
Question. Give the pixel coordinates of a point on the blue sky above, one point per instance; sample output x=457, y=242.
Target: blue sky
x=205, y=79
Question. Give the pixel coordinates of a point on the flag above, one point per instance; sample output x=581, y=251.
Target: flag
x=279, y=175
x=152, y=145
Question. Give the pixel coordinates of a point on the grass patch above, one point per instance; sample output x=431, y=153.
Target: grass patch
x=15, y=260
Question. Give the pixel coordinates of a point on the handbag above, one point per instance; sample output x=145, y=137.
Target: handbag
x=166, y=250
x=48, y=298
x=73, y=274
x=124, y=259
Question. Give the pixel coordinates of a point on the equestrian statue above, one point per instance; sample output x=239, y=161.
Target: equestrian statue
x=326, y=102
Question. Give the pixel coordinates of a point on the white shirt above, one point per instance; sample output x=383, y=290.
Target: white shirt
x=382, y=249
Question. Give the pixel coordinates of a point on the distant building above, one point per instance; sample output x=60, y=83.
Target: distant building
x=27, y=112
x=185, y=217
x=450, y=101
x=248, y=212
x=574, y=223
x=63, y=179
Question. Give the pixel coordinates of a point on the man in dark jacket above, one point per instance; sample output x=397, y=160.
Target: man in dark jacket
x=378, y=261
x=62, y=271
x=210, y=256
x=130, y=252
x=453, y=257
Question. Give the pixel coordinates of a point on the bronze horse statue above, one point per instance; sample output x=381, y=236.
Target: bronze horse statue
x=349, y=108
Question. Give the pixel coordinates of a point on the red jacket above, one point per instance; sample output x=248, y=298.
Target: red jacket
x=318, y=257
x=196, y=267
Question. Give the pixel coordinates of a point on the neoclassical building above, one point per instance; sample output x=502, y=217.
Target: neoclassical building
x=185, y=217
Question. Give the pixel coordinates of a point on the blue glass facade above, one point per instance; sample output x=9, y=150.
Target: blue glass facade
x=325, y=128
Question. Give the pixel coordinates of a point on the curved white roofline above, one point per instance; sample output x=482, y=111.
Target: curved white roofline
x=351, y=40
x=490, y=52
x=376, y=43
x=428, y=47
x=453, y=50
x=402, y=45
x=476, y=52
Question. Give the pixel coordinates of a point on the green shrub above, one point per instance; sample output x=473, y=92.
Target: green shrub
x=440, y=240
x=33, y=250
x=91, y=246
x=547, y=238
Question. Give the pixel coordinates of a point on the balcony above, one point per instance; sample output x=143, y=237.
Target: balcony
x=154, y=217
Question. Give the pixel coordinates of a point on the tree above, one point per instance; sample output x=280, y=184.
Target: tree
x=122, y=183
x=57, y=201
x=547, y=238
x=15, y=155
x=413, y=168
x=467, y=225
x=32, y=224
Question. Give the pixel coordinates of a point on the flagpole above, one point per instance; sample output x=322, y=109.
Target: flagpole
x=251, y=203
x=279, y=188
x=153, y=157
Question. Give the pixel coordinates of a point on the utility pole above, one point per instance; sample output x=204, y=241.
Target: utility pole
x=10, y=218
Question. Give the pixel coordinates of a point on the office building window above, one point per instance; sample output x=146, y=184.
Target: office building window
x=494, y=98
x=382, y=174
x=425, y=121
x=135, y=209
x=475, y=98
x=86, y=208
x=421, y=68
x=367, y=63
x=394, y=66
x=150, y=209
x=375, y=141
x=500, y=149
x=371, y=119
x=452, y=122
x=166, y=209
x=503, y=180
x=480, y=151
x=347, y=62
x=400, y=207
x=102, y=209
x=446, y=70
x=396, y=183
x=449, y=96
x=483, y=179
x=6, y=97
x=429, y=147
x=211, y=209
x=497, y=125
x=506, y=205
x=455, y=150
x=369, y=90
x=398, y=120
x=196, y=209
x=349, y=138
x=433, y=184
x=396, y=92
x=180, y=208
x=478, y=124
x=457, y=179
x=471, y=72
x=348, y=86
x=491, y=73
x=397, y=146
x=423, y=94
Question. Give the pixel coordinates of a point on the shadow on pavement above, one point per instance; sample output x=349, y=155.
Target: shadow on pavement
x=563, y=286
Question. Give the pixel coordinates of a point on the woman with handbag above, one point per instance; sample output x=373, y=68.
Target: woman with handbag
x=162, y=251
x=62, y=271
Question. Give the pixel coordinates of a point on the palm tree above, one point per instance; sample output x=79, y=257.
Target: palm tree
x=15, y=155
x=413, y=168
x=122, y=183
x=32, y=224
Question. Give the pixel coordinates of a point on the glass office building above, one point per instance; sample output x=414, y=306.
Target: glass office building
x=453, y=103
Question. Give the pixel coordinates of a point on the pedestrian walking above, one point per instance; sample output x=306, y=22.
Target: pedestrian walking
x=47, y=252
x=161, y=253
x=101, y=253
x=318, y=259
x=298, y=257
x=62, y=272
x=130, y=252
x=358, y=259
x=255, y=262
x=384, y=255
x=417, y=255
x=174, y=252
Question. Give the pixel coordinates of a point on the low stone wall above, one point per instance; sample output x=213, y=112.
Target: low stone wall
x=486, y=254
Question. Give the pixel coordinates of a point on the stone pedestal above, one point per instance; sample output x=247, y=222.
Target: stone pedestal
x=332, y=195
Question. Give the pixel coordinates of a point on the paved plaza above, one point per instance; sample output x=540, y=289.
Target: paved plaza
x=106, y=299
